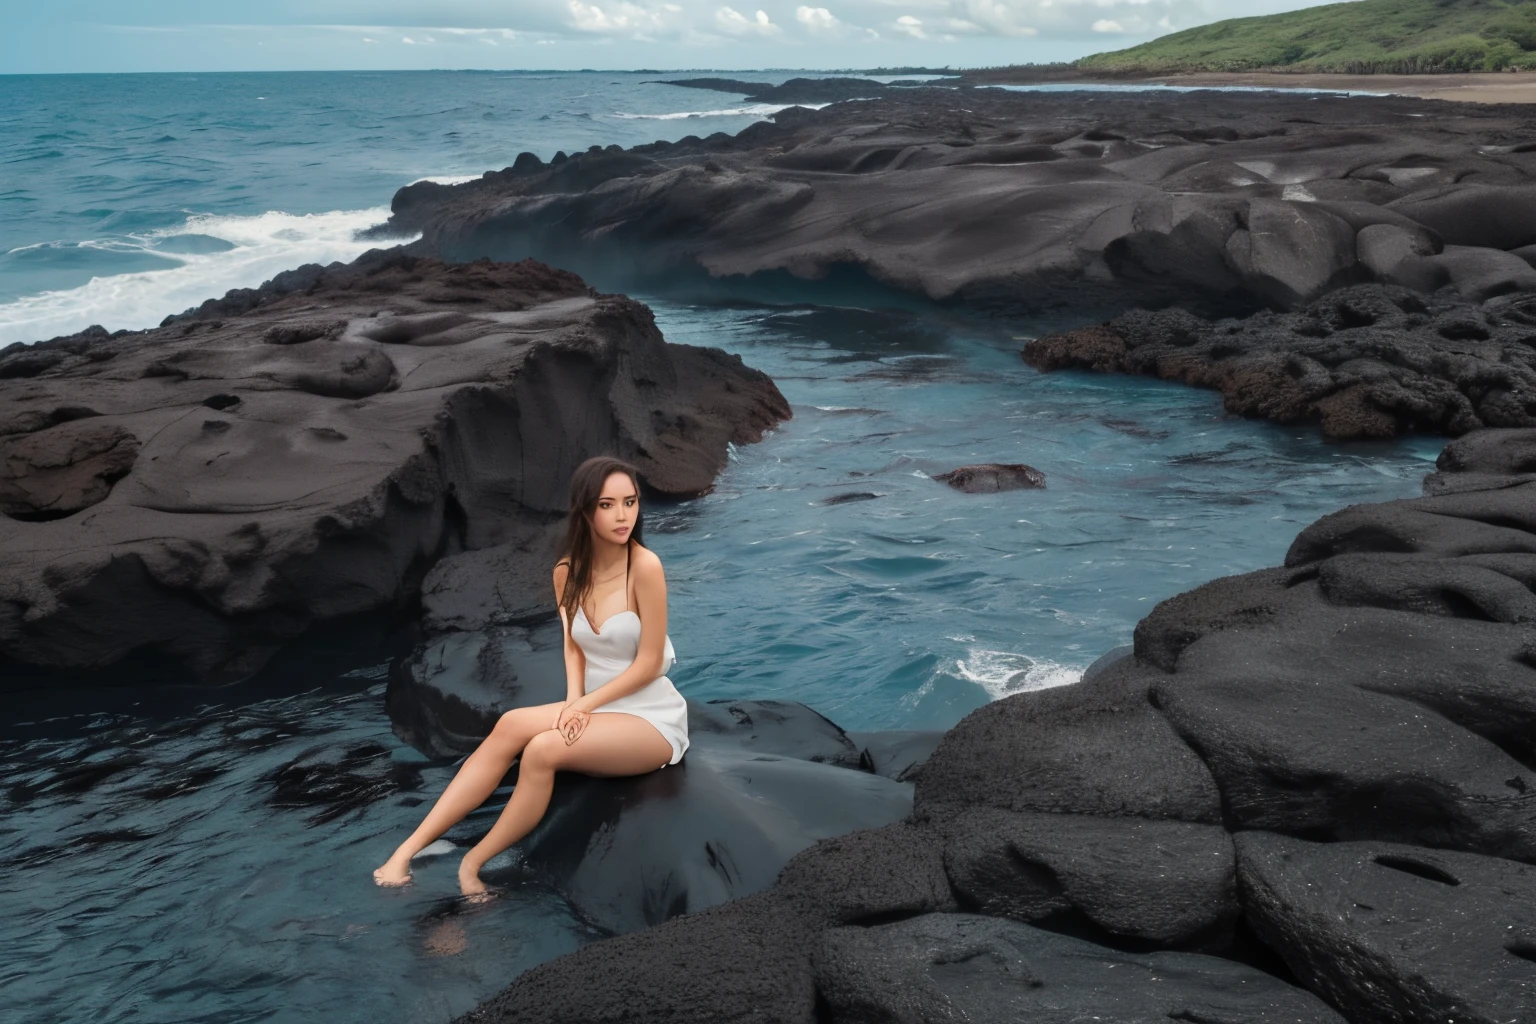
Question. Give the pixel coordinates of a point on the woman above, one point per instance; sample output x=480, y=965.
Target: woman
x=621, y=715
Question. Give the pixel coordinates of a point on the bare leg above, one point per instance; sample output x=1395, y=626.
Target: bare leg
x=613, y=743
x=475, y=780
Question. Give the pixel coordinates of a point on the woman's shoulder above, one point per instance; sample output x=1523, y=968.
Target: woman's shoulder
x=643, y=558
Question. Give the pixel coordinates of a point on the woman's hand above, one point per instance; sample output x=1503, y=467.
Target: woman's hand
x=574, y=725
x=572, y=710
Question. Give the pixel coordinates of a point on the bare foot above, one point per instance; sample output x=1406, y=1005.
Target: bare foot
x=390, y=873
x=470, y=884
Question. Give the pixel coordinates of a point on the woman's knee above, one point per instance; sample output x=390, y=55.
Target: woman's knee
x=512, y=729
x=545, y=751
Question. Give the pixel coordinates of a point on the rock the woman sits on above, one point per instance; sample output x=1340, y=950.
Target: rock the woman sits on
x=621, y=715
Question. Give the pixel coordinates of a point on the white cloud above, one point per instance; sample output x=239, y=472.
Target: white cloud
x=733, y=22
x=622, y=18
x=717, y=33
x=818, y=20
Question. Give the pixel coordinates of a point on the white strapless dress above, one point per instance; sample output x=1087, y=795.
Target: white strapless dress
x=612, y=651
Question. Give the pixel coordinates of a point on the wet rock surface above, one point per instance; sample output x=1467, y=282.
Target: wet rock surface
x=1359, y=721
x=204, y=492
x=1014, y=200
x=719, y=824
x=1364, y=361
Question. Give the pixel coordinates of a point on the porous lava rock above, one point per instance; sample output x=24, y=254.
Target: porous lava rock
x=1167, y=884
x=203, y=492
x=1393, y=933
x=967, y=967
x=1023, y=201
x=1322, y=776
x=1364, y=361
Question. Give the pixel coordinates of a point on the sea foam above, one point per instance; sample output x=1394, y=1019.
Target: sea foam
x=1003, y=673
x=261, y=247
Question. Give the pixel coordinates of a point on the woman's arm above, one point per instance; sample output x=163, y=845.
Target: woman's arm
x=575, y=661
x=651, y=596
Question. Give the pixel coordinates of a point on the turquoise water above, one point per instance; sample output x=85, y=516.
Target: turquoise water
x=178, y=854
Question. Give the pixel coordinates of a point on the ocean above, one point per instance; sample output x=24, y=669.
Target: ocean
x=150, y=875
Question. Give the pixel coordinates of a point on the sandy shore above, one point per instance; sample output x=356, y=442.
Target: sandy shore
x=1495, y=87
x=1506, y=87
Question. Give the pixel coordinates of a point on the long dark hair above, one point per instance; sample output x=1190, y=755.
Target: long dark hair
x=576, y=548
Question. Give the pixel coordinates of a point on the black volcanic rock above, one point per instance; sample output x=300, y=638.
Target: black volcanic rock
x=1088, y=749
x=719, y=824
x=1365, y=361
x=1022, y=201
x=1392, y=934
x=782, y=727
x=964, y=967
x=1169, y=884
x=206, y=491
x=445, y=697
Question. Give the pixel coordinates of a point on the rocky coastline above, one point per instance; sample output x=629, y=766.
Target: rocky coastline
x=1308, y=793
x=200, y=494
x=1216, y=201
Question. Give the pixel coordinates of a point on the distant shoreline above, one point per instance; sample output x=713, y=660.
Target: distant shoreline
x=1474, y=87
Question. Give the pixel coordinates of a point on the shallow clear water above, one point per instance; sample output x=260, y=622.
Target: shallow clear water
x=911, y=608
x=186, y=855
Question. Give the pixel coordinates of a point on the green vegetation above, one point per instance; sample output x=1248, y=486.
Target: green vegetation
x=1364, y=37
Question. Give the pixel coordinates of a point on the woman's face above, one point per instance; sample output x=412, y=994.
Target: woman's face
x=618, y=506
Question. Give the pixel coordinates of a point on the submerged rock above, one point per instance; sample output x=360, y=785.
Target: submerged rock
x=991, y=477
x=204, y=492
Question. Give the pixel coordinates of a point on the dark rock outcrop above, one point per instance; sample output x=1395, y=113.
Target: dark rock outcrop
x=1366, y=361
x=205, y=491
x=1024, y=201
x=1362, y=719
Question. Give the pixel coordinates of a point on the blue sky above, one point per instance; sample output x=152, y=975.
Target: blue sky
x=46, y=36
